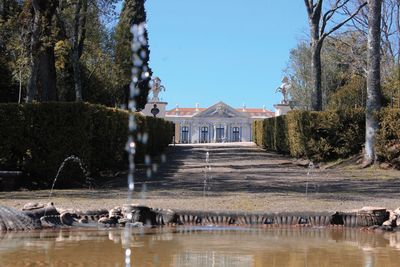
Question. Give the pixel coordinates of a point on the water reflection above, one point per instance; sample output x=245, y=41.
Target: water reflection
x=201, y=247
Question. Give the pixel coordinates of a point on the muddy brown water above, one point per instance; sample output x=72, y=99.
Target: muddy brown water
x=202, y=246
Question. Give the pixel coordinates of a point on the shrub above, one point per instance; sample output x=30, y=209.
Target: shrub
x=315, y=135
x=36, y=138
x=388, y=140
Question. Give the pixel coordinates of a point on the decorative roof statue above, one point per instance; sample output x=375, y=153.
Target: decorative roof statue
x=284, y=90
x=156, y=88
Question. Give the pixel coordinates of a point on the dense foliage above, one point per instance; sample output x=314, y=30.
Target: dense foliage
x=133, y=12
x=36, y=138
x=329, y=135
x=317, y=135
x=388, y=139
x=77, y=48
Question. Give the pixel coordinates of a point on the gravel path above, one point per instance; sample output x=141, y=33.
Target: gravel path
x=240, y=177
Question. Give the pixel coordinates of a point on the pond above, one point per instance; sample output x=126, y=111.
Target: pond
x=201, y=246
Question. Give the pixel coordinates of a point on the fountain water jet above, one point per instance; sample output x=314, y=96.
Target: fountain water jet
x=206, y=176
x=139, y=72
x=81, y=166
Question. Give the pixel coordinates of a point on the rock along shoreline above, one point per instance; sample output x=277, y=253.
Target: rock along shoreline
x=41, y=216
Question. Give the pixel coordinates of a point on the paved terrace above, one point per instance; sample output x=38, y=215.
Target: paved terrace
x=242, y=177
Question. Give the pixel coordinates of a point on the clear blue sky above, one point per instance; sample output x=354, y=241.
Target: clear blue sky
x=234, y=51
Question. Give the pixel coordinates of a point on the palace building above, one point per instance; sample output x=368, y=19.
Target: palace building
x=218, y=123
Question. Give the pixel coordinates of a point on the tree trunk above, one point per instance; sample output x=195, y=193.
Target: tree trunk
x=78, y=40
x=43, y=73
x=77, y=76
x=34, y=47
x=373, y=80
x=32, y=83
x=316, y=74
x=47, y=76
x=75, y=53
x=316, y=66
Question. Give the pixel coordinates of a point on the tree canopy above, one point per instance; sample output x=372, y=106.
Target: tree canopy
x=66, y=50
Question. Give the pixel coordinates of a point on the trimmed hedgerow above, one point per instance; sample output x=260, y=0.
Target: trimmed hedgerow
x=388, y=140
x=36, y=138
x=316, y=135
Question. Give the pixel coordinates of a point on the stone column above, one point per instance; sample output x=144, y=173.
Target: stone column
x=226, y=133
x=210, y=133
x=215, y=133
x=177, y=133
x=190, y=132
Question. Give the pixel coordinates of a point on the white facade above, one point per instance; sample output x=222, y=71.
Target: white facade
x=218, y=123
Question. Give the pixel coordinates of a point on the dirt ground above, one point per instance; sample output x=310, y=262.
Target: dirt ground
x=239, y=177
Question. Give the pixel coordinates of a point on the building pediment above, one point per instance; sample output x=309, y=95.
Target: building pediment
x=220, y=110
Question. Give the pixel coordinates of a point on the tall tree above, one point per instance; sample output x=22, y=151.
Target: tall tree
x=342, y=58
x=390, y=46
x=318, y=22
x=9, y=49
x=373, y=80
x=78, y=39
x=42, y=80
x=133, y=12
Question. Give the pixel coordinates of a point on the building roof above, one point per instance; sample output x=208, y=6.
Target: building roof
x=189, y=112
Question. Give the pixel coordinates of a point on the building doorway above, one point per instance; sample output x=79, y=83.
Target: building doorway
x=236, y=134
x=220, y=134
x=204, y=135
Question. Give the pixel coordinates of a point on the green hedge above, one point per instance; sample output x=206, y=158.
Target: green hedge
x=36, y=138
x=315, y=135
x=388, y=141
x=329, y=135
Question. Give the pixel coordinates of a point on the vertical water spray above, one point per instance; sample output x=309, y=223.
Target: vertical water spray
x=206, y=169
x=139, y=72
x=310, y=169
x=72, y=158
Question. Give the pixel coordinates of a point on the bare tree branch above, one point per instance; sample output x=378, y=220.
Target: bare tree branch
x=337, y=26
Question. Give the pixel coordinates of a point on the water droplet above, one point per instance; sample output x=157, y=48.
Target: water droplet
x=131, y=122
x=151, y=82
x=163, y=158
x=132, y=88
x=143, y=40
x=137, y=62
x=135, y=46
x=132, y=106
x=148, y=173
x=131, y=186
x=145, y=138
x=129, y=216
x=128, y=252
x=143, y=192
x=147, y=159
x=135, y=72
x=155, y=167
